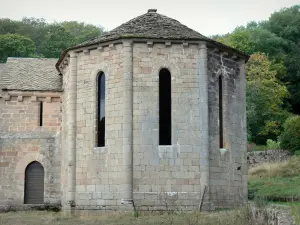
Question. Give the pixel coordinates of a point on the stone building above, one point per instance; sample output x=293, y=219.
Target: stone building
x=150, y=115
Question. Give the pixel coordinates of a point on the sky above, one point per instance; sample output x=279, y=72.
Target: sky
x=208, y=17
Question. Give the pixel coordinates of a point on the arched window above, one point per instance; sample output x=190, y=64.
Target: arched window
x=221, y=112
x=34, y=184
x=101, y=110
x=165, y=108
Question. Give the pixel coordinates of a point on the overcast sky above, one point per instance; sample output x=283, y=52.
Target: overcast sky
x=205, y=16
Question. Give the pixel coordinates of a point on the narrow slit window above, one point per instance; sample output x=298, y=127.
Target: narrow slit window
x=221, y=112
x=101, y=110
x=165, y=109
x=41, y=114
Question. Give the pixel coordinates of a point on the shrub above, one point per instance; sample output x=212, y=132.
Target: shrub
x=290, y=137
x=273, y=144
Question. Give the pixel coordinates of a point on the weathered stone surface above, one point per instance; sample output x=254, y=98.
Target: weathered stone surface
x=22, y=141
x=273, y=215
x=270, y=156
x=132, y=169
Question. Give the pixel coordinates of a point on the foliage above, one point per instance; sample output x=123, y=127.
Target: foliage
x=81, y=31
x=278, y=38
x=50, y=39
x=56, y=40
x=265, y=97
x=290, y=137
x=273, y=144
x=15, y=45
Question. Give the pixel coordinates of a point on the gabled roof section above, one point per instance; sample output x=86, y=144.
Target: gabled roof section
x=30, y=74
x=151, y=25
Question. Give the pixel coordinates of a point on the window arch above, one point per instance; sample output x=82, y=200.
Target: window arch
x=165, y=107
x=101, y=110
x=221, y=138
x=34, y=183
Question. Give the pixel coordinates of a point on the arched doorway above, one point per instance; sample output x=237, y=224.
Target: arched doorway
x=34, y=184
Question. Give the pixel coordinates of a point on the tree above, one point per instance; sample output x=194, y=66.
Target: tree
x=290, y=137
x=81, y=31
x=278, y=38
x=50, y=39
x=56, y=41
x=8, y=26
x=240, y=39
x=265, y=97
x=286, y=25
x=15, y=45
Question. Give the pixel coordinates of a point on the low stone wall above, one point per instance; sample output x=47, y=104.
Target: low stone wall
x=269, y=156
x=273, y=215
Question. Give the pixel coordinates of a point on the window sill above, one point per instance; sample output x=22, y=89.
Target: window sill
x=166, y=151
x=99, y=150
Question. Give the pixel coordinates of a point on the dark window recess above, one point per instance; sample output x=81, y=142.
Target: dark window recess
x=165, y=108
x=101, y=110
x=34, y=184
x=41, y=113
x=221, y=112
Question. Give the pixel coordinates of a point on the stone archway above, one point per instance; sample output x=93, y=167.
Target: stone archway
x=20, y=173
x=34, y=183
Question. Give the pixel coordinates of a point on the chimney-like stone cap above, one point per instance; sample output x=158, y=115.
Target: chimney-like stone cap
x=152, y=10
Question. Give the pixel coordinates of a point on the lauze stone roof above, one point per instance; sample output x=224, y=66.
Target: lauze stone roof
x=34, y=74
x=151, y=25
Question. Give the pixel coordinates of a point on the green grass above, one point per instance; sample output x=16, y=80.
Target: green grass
x=276, y=181
x=276, y=188
x=117, y=218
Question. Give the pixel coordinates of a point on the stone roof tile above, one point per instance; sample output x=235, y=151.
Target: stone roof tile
x=150, y=25
x=38, y=74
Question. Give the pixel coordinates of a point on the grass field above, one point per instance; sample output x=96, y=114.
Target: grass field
x=44, y=218
x=276, y=181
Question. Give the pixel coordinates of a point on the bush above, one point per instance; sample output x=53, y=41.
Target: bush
x=273, y=144
x=290, y=137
